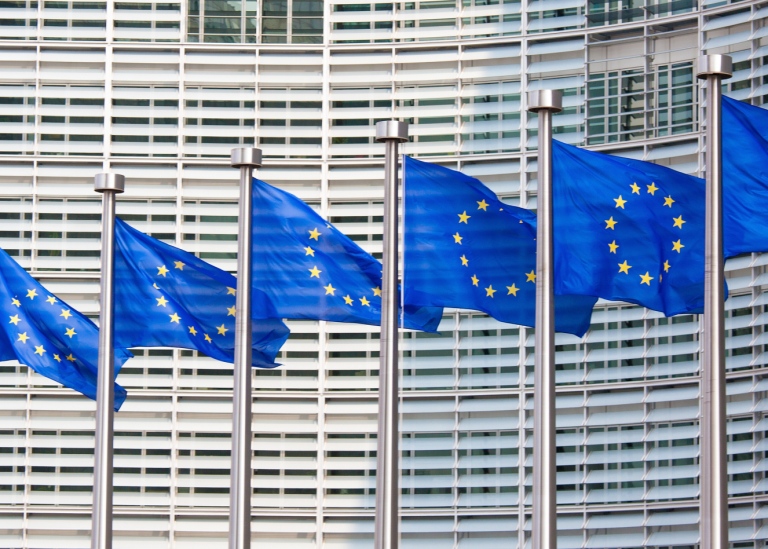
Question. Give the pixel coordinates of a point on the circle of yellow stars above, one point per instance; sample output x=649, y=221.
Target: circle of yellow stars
x=174, y=318
x=613, y=246
x=314, y=272
x=22, y=337
x=490, y=291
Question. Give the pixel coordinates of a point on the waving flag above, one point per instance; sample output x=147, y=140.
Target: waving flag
x=311, y=270
x=465, y=248
x=627, y=230
x=166, y=297
x=745, y=178
x=48, y=335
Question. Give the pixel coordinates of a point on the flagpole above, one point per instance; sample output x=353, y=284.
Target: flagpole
x=109, y=185
x=391, y=132
x=240, y=485
x=713, y=521
x=544, y=102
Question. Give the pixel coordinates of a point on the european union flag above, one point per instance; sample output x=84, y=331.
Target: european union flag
x=745, y=178
x=311, y=270
x=627, y=230
x=465, y=248
x=166, y=297
x=48, y=335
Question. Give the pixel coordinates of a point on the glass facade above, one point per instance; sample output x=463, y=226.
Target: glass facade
x=162, y=91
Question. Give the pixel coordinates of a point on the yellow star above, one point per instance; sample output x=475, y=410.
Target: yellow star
x=464, y=261
x=70, y=332
x=315, y=272
x=175, y=318
x=610, y=223
x=178, y=265
x=376, y=291
x=16, y=302
x=512, y=290
x=668, y=201
x=457, y=238
x=666, y=266
x=71, y=357
x=475, y=280
x=620, y=202
x=161, y=301
x=635, y=188
x=678, y=221
x=31, y=293
x=531, y=277
x=613, y=247
x=162, y=271
x=231, y=311
x=624, y=267
x=463, y=217
x=489, y=291
x=23, y=337
x=646, y=278
x=65, y=313
x=208, y=338
x=652, y=188
x=314, y=234
x=231, y=291
x=329, y=289
x=309, y=251
x=155, y=286
x=192, y=330
x=14, y=320
x=39, y=350
x=677, y=246
x=482, y=205
x=222, y=330
x=51, y=299
x=348, y=300
x=57, y=358
x=364, y=302
x=660, y=275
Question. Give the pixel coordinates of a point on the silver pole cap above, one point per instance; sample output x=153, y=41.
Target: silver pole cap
x=715, y=65
x=545, y=100
x=113, y=182
x=391, y=130
x=245, y=157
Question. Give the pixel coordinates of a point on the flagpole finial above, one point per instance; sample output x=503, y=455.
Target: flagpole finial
x=246, y=156
x=103, y=182
x=715, y=65
x=550, y=100
x=391, y=130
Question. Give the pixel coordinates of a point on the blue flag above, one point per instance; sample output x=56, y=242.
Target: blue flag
x=745, y=178
x=48, y=335
x=166, y=297
x=465, y=248
x=311, y=270
x=628, y=230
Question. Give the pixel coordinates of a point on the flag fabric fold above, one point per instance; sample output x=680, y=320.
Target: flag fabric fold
x=745, y=178
x=465, y=248
x=627, y=230
x=166, y=297
x=311, y=270
x=48, y=335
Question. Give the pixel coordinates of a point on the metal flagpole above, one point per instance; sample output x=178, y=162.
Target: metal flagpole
x=713, y=522
x=544, y=102
x=391, y=132
x=240, y=484
x=109, y=184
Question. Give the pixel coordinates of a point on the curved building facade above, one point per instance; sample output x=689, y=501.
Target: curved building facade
x=161, y=90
